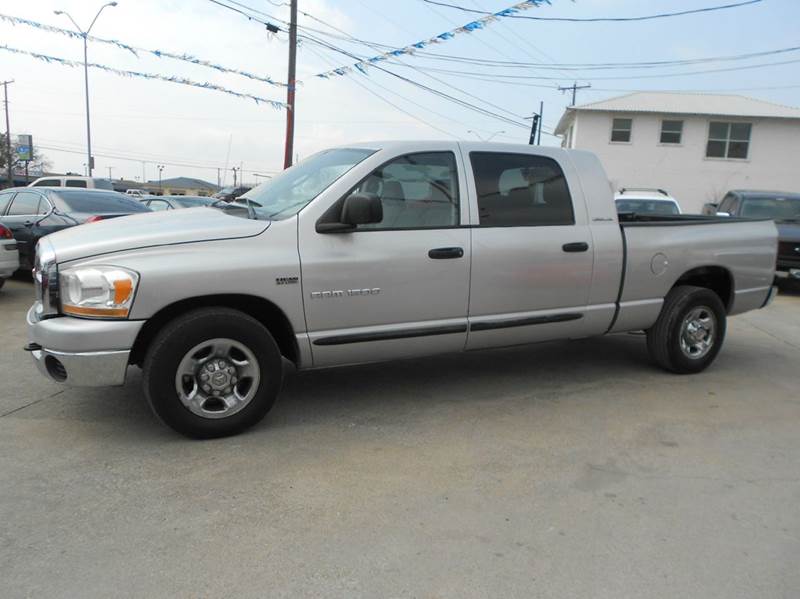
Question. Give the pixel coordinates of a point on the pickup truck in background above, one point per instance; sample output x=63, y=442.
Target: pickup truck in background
x=783, y=208
x=379, y=251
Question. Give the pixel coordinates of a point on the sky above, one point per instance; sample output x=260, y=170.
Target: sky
x=138, y=124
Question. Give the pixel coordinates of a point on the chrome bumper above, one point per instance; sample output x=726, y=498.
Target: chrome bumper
x=81, y=352
x=85, y=369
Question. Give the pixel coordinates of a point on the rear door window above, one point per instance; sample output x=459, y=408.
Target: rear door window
x=26, y=203
x=518, y=190
x=75, y=183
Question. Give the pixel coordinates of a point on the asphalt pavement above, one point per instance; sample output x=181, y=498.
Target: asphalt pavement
x=559, y=470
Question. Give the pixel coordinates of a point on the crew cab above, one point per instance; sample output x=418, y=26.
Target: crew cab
x=381, y=251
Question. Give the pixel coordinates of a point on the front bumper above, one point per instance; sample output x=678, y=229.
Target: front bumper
x=81, y=352
x=9, y=259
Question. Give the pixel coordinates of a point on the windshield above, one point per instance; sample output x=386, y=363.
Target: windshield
x=286, y=194
x=98, y=202
x=647, y=206
x=776, y=208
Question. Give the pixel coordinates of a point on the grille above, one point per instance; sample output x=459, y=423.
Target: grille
x=789, y=249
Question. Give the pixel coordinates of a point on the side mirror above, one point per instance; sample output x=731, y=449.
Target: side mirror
x=358, y=209
x=362, y=209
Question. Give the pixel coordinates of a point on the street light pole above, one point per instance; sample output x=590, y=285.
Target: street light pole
x=160, y=168
x=85, y=36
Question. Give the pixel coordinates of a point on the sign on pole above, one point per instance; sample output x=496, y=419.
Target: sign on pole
x=24, y=147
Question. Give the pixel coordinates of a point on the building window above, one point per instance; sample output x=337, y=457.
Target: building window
x=621, y=130
x=728, y=140
x=671, y=132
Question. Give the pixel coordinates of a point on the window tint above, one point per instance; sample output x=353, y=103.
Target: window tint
x=621, y=130
x=98, y=202
x=520, y=190
x=671, y=132
x=417, y=191
x=5, y=198
x=75, y=183
x=48, y=183
x=25, y=203
x=647, y=207
x=728, y=140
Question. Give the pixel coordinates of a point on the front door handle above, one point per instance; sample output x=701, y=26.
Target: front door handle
x=445, y=253
x=577, y=246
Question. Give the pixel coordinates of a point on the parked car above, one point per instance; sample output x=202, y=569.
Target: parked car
x=9, y=256
x=137, y=193
x=645, y=201
x=32, y=213
x=231, y=193
x=73, y=181
x=382, y=251
x=177, y=202
x=783, y=208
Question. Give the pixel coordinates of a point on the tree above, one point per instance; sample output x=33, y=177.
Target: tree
x=40, y=162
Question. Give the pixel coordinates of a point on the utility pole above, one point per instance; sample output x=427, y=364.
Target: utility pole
x=574, y=87
x=85, y=36
x=160, y=170
x=8, y=135
x=289, y=149
x=541, y=122
x=536, y=126
x=109, y=173
x=234, y=169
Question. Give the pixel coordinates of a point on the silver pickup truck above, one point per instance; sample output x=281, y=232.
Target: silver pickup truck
x=380, y=251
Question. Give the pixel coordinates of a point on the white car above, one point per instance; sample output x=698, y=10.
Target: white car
x=137, y=193
x=645, y=202
x=9, y=256
x=73, y=181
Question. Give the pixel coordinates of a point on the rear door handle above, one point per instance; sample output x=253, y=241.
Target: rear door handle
x=445, y=253
x=577, y=246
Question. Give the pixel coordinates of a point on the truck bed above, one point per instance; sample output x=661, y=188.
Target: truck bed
x=660, y=251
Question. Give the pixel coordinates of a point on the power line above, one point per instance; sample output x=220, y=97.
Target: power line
x=436, y=92
x=601, y=19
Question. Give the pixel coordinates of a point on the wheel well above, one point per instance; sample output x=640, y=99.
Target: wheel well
x=716, y=278
x=267, y=313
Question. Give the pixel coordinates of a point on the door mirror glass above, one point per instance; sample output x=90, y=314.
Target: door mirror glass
x=362, y=209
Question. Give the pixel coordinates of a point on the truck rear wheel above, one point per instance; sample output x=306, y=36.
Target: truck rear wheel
x=689, y=331
x=212, y=372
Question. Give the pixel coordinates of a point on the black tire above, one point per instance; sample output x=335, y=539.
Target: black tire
x=664, y=337
x=177, y=338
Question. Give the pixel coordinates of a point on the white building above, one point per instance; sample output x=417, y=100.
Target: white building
x=696, y=146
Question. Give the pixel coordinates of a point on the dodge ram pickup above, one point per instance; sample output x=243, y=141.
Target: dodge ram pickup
x=381, y=251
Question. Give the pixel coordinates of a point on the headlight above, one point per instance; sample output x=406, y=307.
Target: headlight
x=97, y=291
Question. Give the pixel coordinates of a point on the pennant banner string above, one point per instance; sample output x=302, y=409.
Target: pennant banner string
x=136, y=50
x=123, y=73
x=363, y=65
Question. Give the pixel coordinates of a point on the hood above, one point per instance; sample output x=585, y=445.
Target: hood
x=788, y=231
x=151, y=229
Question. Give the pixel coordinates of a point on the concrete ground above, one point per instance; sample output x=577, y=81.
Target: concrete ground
x=560, y=470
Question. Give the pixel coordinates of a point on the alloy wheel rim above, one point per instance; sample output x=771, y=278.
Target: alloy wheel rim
x=698, y=332
x=217, y=378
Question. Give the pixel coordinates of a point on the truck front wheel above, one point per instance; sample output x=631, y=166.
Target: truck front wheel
x=212, y=372
x=689, y=331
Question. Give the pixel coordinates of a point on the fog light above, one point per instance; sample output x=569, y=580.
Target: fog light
x=55, y=369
